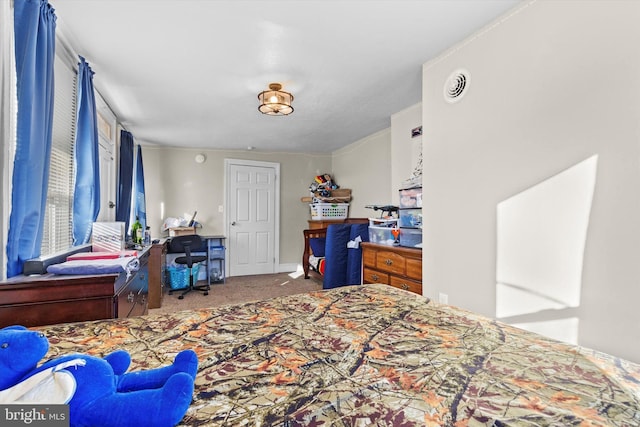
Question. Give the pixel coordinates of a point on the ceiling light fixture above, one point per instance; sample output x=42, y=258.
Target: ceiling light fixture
x=275, y=102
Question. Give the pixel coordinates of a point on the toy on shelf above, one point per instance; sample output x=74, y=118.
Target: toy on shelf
x=323, y=189
x=390, y=210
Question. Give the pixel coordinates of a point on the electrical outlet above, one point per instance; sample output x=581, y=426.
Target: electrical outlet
x=443, y=298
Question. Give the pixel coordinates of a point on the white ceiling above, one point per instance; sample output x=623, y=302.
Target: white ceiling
x=186, y=73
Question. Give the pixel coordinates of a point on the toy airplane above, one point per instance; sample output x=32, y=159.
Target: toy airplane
x=389, y=209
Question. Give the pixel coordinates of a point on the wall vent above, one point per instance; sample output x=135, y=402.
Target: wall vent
x=456, y=86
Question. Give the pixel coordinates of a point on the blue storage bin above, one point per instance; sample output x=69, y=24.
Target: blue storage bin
x=411, y=218
x=179, y=276
x=216, y=252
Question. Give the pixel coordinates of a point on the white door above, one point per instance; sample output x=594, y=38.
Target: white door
x=107, y=185
x=252, y=217
x=107, y=142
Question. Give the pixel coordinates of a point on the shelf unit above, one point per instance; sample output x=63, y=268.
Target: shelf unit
x=216, y=251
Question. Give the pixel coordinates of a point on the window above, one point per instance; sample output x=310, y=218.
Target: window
x=57, y=231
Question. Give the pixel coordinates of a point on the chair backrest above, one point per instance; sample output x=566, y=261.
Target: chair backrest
x=186, y=244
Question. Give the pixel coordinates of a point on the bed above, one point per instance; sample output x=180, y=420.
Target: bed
x=368, y=355
x=313, y=261
x=334, y=253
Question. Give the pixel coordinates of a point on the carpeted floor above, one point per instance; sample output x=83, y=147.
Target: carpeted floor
x=241, y=289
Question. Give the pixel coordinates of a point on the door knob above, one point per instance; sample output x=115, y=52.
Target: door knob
x=233, y=223
x=111, y=204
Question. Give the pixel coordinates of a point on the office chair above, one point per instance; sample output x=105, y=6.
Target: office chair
x=187, y=244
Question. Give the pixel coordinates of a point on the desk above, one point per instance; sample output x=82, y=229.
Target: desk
x=214, y=248
x=157, y=272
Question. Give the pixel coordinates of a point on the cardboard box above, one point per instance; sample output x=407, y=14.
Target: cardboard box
x=181, y=231
x=341, y=192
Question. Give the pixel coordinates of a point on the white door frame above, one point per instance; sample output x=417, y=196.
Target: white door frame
x=227, y=225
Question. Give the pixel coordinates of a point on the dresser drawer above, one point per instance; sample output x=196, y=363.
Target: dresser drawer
x=397, y=266
x=368, y=257
x=374, y=276
x=406, y=284
x=414, y=268
x=391, y=262
x=132, y=298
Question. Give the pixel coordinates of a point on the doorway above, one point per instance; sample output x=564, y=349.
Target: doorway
x=252, y=197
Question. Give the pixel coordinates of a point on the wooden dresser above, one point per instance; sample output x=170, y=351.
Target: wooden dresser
x=392, y=265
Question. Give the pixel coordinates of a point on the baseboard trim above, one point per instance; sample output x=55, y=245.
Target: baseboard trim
x=288, y=268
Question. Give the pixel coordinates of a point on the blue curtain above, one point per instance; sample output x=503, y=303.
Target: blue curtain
x=35, y=27
x=86, y=196
x=140, y=206
x=125, y=179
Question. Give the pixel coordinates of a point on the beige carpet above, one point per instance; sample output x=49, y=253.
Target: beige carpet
x=240, y=289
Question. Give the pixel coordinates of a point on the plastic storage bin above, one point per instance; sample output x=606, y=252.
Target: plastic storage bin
x=216, y=252
x=411, y=198
x=383, y=222
x=411, y=218
x=380, y=235
x=411, y=237
x=329, y=210
x=179, y=276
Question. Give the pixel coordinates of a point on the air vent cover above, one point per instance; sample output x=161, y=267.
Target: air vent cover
x=456, y=86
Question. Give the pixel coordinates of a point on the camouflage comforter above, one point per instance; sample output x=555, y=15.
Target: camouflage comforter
x=369, y=355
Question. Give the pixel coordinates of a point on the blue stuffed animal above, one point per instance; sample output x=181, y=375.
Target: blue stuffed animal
x=102, y=392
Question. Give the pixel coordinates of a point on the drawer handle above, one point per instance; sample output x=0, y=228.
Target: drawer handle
x=404, y=286
x=388, y=261
x=131, y=297
x=375, y=277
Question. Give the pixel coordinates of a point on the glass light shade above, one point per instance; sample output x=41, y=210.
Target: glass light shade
x=275, y=102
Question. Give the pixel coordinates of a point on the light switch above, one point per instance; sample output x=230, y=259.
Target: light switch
x=220, y=208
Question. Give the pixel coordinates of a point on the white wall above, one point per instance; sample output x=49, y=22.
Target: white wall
x=405, y=149
x=551, y=85
x=374, y=167
x=175, y=184
x=364, y=166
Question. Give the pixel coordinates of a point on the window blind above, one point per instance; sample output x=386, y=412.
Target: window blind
x=57, y=230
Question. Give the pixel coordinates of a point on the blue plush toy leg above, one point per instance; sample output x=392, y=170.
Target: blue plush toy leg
x=159, y=407
x=119, y=361
x=186, y=361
